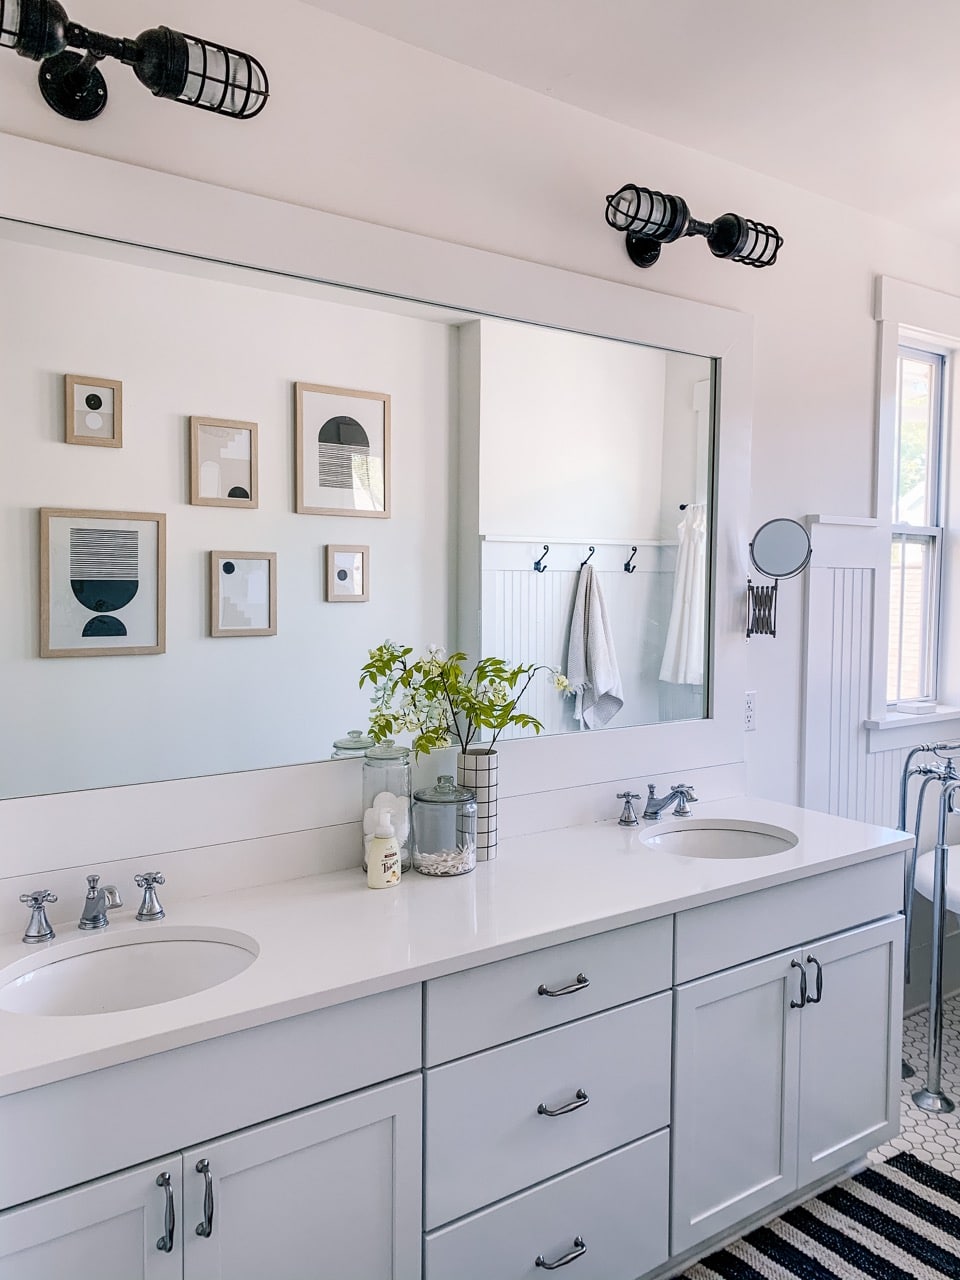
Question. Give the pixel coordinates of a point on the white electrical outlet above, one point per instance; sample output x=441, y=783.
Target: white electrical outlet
x=750, y=710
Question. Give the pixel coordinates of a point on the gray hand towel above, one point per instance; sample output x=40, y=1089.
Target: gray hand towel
x=591, y=659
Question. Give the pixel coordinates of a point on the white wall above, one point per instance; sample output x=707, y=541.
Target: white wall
x=571, y=435
x=365, y=126
x=185, y=345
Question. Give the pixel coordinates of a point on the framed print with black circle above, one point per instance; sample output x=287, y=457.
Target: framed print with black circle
x=348, y=575
x=223, y=463
x=93, y=411
x=243, y=593
x=342, y=451
x=102, y=583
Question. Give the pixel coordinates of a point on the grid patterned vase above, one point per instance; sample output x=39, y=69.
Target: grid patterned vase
x=477, y=770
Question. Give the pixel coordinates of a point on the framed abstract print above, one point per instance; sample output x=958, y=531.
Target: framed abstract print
x=102, y=583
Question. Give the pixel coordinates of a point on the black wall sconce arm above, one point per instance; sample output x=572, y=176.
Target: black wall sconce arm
x=652, y=219
x=200, y=73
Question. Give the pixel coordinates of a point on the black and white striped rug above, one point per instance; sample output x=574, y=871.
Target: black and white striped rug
x=893, y=1221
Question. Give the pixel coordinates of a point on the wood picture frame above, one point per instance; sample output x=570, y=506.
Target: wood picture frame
x=243, y=593
x=342, y=452
x=102, y=581
x=224, y=463
x=93, y=411
x=347, y=579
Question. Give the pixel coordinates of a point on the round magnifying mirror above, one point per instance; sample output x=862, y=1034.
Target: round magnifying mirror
x=780, y=548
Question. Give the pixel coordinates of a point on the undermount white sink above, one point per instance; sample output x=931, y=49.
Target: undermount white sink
x=719, y=838
x=111, y=973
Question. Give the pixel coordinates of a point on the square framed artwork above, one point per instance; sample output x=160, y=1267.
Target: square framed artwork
x=243, y=593
x=93, y=411
x=348, y=574
x=223, y=463
x=102, y=583
x=342, y=452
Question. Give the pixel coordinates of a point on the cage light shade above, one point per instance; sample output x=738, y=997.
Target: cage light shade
x=200, y=73
x=744, y=240
x=35, y=28
x=650, y=214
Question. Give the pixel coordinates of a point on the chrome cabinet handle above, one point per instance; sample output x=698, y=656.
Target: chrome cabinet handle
x=205, y=1228
x=819, y=996
x=798, y=1004
x=165, y=1243
x=581, y=984
x=580, y=1100
x=578, y=1250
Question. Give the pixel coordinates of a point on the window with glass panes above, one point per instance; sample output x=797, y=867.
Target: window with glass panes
x=916, y=534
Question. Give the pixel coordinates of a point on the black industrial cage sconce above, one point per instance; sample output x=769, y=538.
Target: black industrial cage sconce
x=200, y=73
x=651, y=219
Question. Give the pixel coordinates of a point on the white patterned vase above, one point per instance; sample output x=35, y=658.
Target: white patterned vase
x=478, y=771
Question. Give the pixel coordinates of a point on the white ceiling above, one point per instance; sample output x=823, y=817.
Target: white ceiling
x=854, y=99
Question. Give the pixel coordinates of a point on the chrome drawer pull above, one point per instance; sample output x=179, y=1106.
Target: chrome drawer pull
x=581, y=984
x=165, y=1243
x=579, y=1101
x=205, y=1228
x=798, y=1004
x=819, y=996
x=578, y=1250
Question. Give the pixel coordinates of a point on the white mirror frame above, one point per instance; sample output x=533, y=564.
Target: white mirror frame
x=74, y=191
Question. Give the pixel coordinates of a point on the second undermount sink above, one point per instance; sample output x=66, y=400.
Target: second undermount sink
x=124, y=970
x=719, y=838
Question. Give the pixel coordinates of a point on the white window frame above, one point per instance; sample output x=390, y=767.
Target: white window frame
x=910, y=315
x=922, y=349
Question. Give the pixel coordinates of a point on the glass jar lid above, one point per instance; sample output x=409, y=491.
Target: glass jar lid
x=387, y=750
x=445, y=792
x=355, y=740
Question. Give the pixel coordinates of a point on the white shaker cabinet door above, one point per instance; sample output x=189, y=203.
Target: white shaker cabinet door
x=736, y=1054
x=110, y=1229
x=330, y=1191
x=850, y=1047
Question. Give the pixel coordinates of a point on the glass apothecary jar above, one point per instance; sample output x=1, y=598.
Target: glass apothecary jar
x=445, y=829
x=352, y=747
x=386, y=785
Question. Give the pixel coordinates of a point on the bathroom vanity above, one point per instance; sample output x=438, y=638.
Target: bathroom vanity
x=545, y=1063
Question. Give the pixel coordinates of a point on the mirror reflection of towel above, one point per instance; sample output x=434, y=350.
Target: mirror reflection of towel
x=683, y=651
x=591, y=659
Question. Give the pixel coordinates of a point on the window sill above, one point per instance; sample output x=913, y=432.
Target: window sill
x=901, y=729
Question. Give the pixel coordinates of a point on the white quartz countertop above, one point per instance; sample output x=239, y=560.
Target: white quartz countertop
x=326, y=939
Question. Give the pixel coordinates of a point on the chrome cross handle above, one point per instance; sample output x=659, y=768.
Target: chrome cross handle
x=39, y=928
x=150, y=908
x=628, y=818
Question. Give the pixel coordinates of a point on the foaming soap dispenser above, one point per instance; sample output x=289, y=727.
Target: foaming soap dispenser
x=383, y=855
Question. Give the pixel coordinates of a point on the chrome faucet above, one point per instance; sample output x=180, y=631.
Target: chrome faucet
x=39, y=928
x=97, y=903
x=681, y=792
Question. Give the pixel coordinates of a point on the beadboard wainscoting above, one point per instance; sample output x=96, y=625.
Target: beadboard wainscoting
x=847, y=768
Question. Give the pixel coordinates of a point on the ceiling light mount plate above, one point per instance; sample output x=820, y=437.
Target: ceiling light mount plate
x=72, y=85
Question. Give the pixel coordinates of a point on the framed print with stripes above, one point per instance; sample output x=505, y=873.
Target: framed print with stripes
x=342, y=451
x=102, y=583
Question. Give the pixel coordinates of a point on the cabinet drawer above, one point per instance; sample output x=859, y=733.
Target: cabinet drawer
x=616, y=1205
x=498, y=1002
x=723, y=934
x=486, y=1139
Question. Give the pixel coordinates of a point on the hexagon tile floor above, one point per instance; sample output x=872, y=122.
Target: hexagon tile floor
x=934, y=1139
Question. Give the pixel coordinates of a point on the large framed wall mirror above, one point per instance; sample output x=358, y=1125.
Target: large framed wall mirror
x=507, y=436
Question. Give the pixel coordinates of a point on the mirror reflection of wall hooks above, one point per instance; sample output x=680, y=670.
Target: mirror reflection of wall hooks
x=540, y=566
x=684, y=505
x=589, y=557
x=629, y=566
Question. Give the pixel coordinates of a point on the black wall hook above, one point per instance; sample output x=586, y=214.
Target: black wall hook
x=589, y=557
x=628, y=565
x=540, y=566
